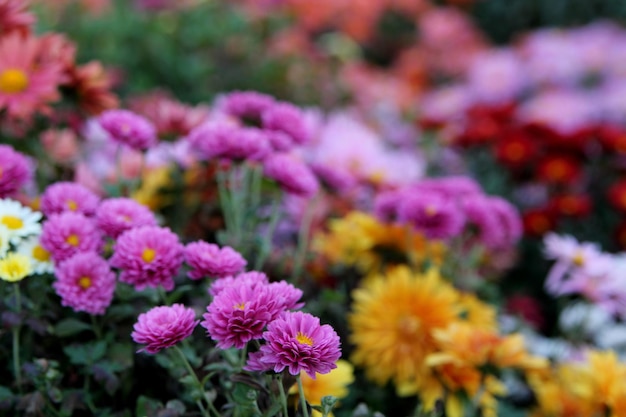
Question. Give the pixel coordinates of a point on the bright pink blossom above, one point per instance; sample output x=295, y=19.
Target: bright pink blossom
x=162, y=327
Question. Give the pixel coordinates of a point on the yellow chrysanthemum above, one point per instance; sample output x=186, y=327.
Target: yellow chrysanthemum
x=477, y=312
x=334, y=383
x=153, y=181
x=392, y=321
x=15, y=267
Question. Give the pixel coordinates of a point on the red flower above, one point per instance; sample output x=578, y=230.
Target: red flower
x=515, y=150
x=612, y=138
x=620, y=235
x=617, y=195
x=538, y=221
x=526, y=307
x=571, y=205
x=559, y=169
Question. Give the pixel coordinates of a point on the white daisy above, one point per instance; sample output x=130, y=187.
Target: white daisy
x=4, y=241
x=21, y=221
x=39, y=257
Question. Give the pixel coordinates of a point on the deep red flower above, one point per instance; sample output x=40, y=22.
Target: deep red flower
x=538, y=221
x=616, y=195
x=559, y=169
x=571, y=205
x=516, y=150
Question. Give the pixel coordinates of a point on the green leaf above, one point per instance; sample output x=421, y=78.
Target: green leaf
x=147, y=407
x=70, y=327
x=5, y=394
x=85, y=354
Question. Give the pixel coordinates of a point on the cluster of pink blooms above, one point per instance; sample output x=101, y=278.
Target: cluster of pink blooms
x=582, y=268
x=248, y=307
x=15, y=171
x=447, y=207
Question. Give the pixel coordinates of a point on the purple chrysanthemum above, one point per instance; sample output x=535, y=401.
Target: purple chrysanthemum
x=117, y=215
x=209, y=260
x=335, y=177
x=15, y=171
x=286, y=118
x=252, y=278
x=453, y=186
x=299, y=342
x=129, y=128
x=240, y=312
x=386, y=205
x=435, y=216
x=293, y=175
x=247, y=105
x=480, y=216
x=162, y=327
x=223, y=140
x=68, y=233
x=85, y=283
x=148, y=256
x=69, y=196
x=509, y=219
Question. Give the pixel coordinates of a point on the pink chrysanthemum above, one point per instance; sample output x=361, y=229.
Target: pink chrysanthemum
x=252, y=279
x=15, y=171
x=148, y=256
x=509, y=218
x=69, y=196
x=386, y=205
x=432, y=214
x=129, y=129
x=240, y=312
x=288, y=119
x=27, y=83
x=14, y=16
x=293, y=175
x=485, y=223
x=223, y=140
x=162, y=327
x=246, y=105
x=209, y=260
x=117, y=215
x=453, y=186
x=298, y=342
x=68, y=233
x=85, y=283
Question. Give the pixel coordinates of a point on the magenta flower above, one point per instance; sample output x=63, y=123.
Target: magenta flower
x=162, y=327
x=208, y=260
x=129, y=129
x=298, y=342
x=293, y=175
x=286, y=118
x=252, y=278
x=85, y=283
x=435, y=216
x=509, y=218
x=223, y=140
x=482, y=219
x=386, y=205
x=247, y=105
x=148, y=256
x=69, y=196
x=15, y=171
x=68, y=233
x=117, y=215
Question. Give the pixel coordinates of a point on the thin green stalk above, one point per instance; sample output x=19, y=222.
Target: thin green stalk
x=225, y=202
x=162, y=295
x=199, y=385
x=88, y=400
x=266, y=243
x=303, y=241
x=16, y=339
x=96, y=327
x=283, y=396
x=305, y=410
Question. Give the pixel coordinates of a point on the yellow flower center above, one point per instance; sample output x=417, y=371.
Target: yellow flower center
x=84, y=282
x=72, y=240
x=41, y=254
x=304, y=339
x=13, y=81
x=240, y=306
x=72, y=205
x=578, y=259
x=12, y=222
x=148, y=255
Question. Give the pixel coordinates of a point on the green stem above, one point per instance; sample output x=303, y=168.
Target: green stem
x=199, y=385
x=87, y=397
x=96, y=327
x=225, y=203
x=303, y=241
x=16, y=339
x=266, y=243
x=305, y=410
x=162, y=295
x=283, y=396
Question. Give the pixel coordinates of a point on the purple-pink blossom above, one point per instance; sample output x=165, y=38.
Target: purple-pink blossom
x=15, y=171
x=148, y=256
x=293, y=175
x=162, y=327
x=247, y=105
x=484, y=222
x=69, y=196
x=297, y=341
x=117, y=215
x=225, y=140
x=128, y=128
x=85, y=282
x=432, y=214
x=288, y=119
x=209, y=260
x=68, y=233
x=251, y=278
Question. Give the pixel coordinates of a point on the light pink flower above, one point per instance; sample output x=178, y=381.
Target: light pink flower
x=163, y=327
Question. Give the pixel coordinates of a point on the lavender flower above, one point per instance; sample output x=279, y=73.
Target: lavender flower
x=293, y=175
x=129, y=129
